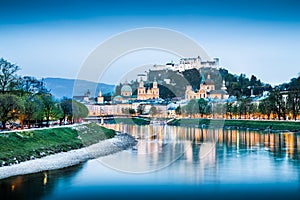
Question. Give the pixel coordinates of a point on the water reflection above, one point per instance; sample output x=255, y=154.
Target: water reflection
x=200, y=156
x=159, y=146
x=201, y=161
x=34, y=186
x=278, y=144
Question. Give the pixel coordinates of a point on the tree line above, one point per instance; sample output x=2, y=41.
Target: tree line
x=27, y=101
x=283, y=102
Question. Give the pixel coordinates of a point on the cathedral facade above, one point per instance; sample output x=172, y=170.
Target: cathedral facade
x=151, y=93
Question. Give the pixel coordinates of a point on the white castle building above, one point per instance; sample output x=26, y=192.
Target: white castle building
x=188, y=63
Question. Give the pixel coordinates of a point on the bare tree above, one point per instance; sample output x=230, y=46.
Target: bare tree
x=8, y=77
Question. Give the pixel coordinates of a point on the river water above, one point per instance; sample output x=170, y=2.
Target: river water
x=176, y=162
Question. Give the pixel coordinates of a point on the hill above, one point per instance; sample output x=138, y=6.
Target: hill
x=61, y=87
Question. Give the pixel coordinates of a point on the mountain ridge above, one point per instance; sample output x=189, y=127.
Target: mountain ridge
x=64, y=87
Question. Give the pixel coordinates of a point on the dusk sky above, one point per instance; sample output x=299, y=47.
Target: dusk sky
x=52, y=38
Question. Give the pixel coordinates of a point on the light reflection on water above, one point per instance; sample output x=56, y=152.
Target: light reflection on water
x=182, y=160
x=160, y=146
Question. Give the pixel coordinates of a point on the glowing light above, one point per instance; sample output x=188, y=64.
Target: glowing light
x=45, y=178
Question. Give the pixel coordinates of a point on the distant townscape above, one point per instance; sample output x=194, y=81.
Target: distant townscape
x=197, y=88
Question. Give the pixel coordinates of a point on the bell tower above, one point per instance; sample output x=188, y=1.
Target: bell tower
x=155, y=90
x=141, y=94
x=100, y=99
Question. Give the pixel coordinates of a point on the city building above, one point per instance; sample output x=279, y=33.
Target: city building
x=86, y=98
x=100, y=98
x=113, y=109
x=206, y=90
x=126, y=95
x=188, y=63
x=126, y=90
x=144, y=93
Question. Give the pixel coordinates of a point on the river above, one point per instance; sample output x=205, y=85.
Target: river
x=176, y=162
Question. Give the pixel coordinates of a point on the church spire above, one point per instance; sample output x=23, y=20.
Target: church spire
x=224, y=86
x=202, y=79
x=141, y=84
x=154, y=83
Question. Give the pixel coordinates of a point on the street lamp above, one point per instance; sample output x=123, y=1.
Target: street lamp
x=285, y=100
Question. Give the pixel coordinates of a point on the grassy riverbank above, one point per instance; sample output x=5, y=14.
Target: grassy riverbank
x=16, y=147
x=252, y=124
x=131, y=121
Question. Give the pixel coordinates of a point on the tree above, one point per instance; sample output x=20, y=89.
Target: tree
x=265, y=107
x=178, y=110
x=193, y=77
x=252, y=109
x=141, y=109
x=107, y=97
x=79, y=111
x=253, y=80
x=293, y=101
x=219, y=109
x=244, y=107
x=131, y=111
x=66, y=107
x=153, y=110
x=202, y=103
x=58, y=112
x=48, y=107
x=235, y=109
x=10, y=107
x=118, y=90
x=8, y=78
x=166, y=91
x=31, y=109
x=276, y=100
x=32, y=85
x=243, y=83
x=208, y=109
x=229, y=109
x=72, y=110
x=192, y=107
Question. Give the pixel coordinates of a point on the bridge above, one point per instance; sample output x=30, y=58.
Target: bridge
x=100, y=118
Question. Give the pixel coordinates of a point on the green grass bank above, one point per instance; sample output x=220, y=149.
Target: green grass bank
x=131, y=121
x=252, y=124
x=16, y=147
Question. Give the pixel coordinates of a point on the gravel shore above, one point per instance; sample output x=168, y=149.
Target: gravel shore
x=65, y=159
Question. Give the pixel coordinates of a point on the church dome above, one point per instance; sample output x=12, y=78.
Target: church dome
x=118, y=98
x=126, y=88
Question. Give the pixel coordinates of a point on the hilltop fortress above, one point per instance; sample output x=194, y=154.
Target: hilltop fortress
x=188, y=63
